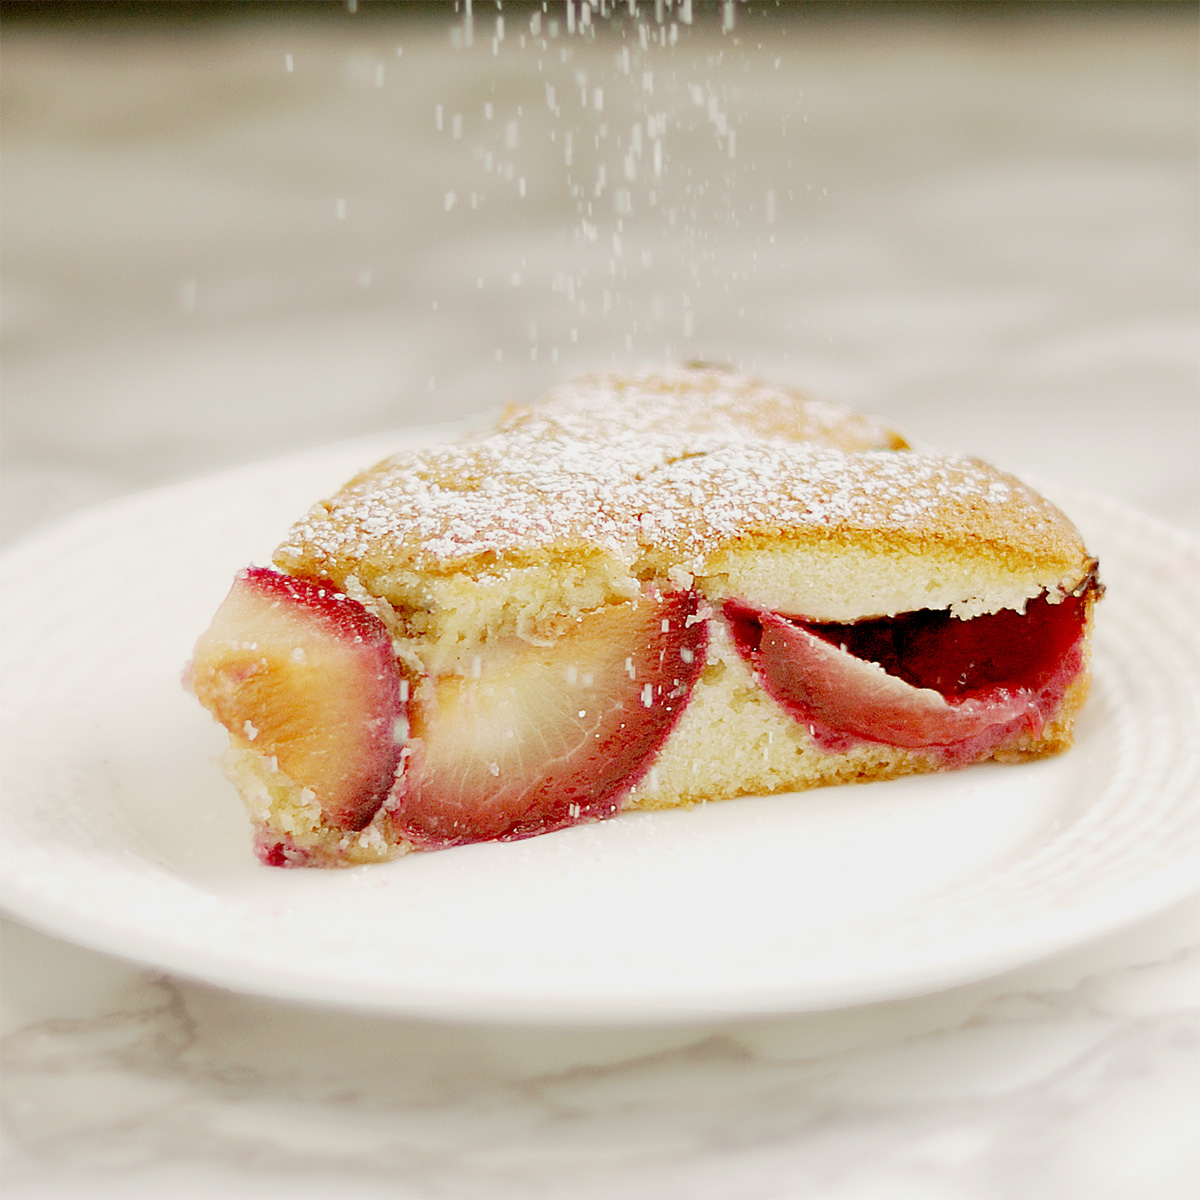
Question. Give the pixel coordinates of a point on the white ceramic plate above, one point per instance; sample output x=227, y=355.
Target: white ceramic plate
x=120, y=833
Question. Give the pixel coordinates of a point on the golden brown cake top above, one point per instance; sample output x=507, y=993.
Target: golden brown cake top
x=762, y=492
x=544, y=490
x=701, y=399
x=512, y=496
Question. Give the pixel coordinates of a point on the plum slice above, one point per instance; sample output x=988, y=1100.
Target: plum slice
x=532, y=739
x=303, y=673
x=923, y=680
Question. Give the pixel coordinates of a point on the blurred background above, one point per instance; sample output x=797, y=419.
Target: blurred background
x=230, y=231
x=235, y=231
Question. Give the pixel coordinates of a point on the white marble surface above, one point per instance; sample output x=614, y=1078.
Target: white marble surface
x=227, y=241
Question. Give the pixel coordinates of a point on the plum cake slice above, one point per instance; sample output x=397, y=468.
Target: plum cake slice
x=652, y=590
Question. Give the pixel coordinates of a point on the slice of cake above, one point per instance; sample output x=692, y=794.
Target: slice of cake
x=651, y=590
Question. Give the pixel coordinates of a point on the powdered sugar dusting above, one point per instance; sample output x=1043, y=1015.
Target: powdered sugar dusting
x=519, y=492
x=592, y=472
x=760, y=489
x=700, y=399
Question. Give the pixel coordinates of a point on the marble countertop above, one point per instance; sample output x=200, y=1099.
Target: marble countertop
x=225, y=240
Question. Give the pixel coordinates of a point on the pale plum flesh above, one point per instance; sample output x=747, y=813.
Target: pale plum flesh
x=305, y=675
x=531, y=739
